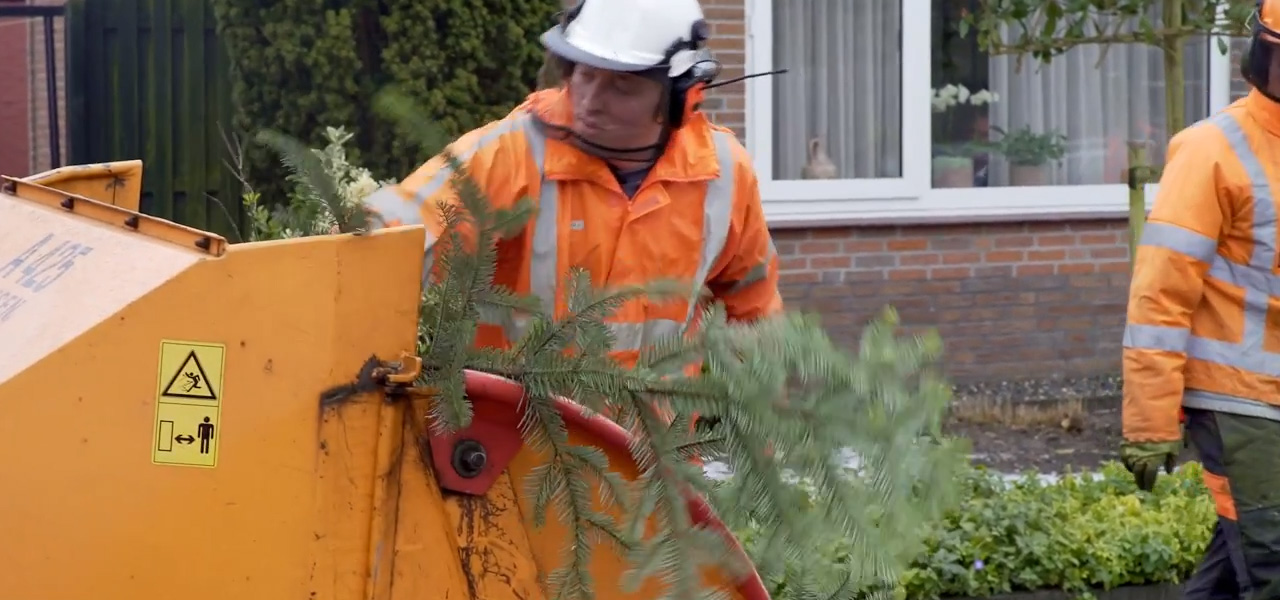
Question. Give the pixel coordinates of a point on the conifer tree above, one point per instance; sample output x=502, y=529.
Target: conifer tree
x=790, y=407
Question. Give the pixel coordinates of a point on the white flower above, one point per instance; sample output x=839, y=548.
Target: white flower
x=964, y=95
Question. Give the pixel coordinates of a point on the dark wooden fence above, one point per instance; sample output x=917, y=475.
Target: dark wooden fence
x=148, y=79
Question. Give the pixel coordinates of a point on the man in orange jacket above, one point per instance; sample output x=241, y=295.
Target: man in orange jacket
x=630, y=180
x=1203, y=332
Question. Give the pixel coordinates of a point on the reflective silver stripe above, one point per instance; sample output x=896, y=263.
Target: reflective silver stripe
x=1255, y=278
x=717, y=213
x=1156, y=337
x=757, y=272
x=1230, y=404
x=1180, y=240
x=441, y=176
x=634, y=336
x=428, y=256
x=388, y=204
x=544, y=274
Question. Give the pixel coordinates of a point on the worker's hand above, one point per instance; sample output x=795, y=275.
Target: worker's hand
x=1144, y=460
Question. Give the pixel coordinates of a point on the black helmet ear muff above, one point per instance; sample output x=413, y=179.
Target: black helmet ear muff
x=703, y=69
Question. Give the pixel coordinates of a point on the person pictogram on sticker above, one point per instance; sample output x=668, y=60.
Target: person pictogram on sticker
x=204, y=431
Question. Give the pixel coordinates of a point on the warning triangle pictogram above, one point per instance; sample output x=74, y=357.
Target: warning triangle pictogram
x=190, y=381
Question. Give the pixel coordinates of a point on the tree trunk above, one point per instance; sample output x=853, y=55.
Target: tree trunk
x=1174, y=119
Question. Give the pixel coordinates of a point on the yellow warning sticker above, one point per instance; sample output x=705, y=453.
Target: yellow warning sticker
x=188, y=404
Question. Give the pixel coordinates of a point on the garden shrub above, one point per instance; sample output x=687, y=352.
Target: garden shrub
x=1087, y=531
x=297, y=66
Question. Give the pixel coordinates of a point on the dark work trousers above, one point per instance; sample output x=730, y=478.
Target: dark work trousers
x=1241, y=459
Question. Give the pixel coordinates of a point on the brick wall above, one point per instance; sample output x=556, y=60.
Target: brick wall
x=1010, y=300
x=15, y=153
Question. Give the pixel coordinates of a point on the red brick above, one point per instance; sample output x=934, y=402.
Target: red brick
x=919, y=260
x=961, y=258
x=1073, y=268
x=1046, y=255
x=1004, y=256
x=950, y=272
x=1112, y=252
x=860, y=246
x=831, y=262
x=908, y=244
x=818, y=247
x=1033, y=270
x=899, y=274
x=1056, y=240
x=1014, y=241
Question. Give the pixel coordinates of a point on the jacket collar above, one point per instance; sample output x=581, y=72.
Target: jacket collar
x=690, y=154
x=1263, y=110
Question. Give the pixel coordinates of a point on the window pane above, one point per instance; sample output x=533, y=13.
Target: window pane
x=838, y=109
x=1091, y=109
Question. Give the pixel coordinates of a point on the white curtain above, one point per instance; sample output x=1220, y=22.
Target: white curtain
x=1098, y=107
x=843, y=86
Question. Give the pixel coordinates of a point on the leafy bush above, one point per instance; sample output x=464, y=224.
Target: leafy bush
x=298, y=65
x=1089, y=530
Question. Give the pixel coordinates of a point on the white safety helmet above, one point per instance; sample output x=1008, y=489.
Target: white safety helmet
x=632, y=35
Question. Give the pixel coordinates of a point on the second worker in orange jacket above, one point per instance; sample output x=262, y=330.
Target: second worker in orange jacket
x=1203, y=332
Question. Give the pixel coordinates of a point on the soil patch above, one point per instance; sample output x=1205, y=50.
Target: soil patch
x=1048, y=436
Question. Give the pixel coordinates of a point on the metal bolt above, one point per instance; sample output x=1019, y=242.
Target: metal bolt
x=469, y=458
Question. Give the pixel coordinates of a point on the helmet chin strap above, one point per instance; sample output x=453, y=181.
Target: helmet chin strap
x=654, y=151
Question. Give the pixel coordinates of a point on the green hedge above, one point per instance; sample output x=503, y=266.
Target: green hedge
x=1080, y=533
x=298, y=66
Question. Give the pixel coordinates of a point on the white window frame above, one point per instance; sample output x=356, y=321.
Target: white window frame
x=911, y=198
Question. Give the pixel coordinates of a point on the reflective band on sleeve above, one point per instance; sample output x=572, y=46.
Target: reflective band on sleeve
x=393, y=209
x=717, y=214
x=1230, y=404
x=1180, y=240
x=428, y=257
x=441, y=176
x=635, y=336
x=1156, y=337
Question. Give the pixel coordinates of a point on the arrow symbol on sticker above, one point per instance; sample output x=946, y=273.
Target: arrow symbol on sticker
x=184, y=439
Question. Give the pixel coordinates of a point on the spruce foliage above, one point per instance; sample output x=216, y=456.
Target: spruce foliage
x=790, y=407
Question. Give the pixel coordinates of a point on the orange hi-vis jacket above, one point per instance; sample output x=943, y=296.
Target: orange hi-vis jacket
x=1204, y=318
x=697, y=217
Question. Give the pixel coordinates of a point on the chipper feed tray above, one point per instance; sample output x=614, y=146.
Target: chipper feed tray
x=183, y=418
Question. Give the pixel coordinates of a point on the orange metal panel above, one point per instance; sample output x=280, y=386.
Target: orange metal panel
x=116, y=183
x=292, y=508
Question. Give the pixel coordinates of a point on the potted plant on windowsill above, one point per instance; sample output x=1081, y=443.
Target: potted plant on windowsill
x=1029, y=153
x=953, y=146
